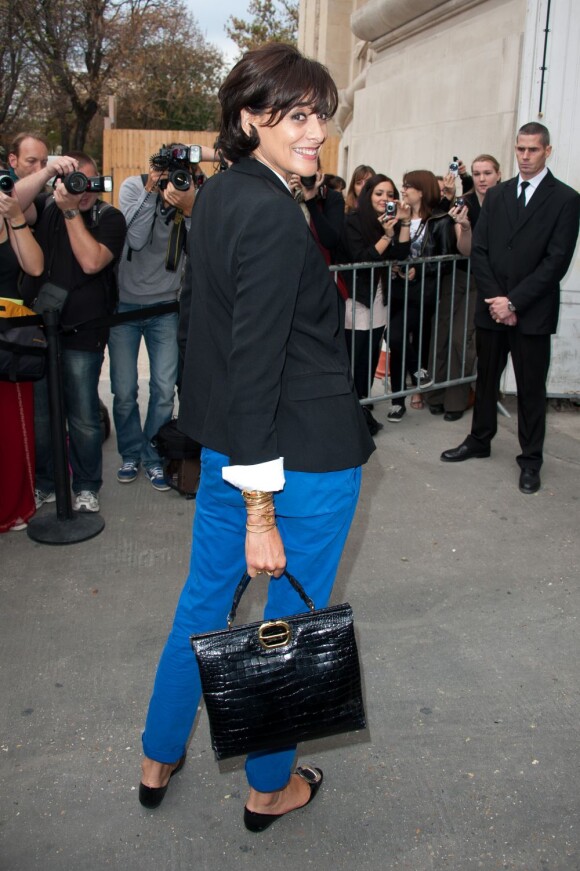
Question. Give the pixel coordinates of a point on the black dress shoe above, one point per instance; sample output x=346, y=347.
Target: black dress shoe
x=453, y=415
x=436, y=409
x=463, y=452
x=255, y=822
x=152, y=796
x=374, y=425
x=529, y=481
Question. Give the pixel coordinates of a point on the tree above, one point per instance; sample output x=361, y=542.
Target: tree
x=85, y=50
x=271, y=22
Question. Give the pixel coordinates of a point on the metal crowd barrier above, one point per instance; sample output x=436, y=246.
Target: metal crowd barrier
x=451, y=356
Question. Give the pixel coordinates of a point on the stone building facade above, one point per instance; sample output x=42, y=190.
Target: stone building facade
x=424, y=80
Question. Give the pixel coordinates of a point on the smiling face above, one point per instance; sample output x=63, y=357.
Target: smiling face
x=381, y=195
x=485, y=176
x=531, y=155
x=293, y=144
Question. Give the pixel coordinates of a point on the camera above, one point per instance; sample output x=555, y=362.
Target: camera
x=6, y=182
x=308, y=181
x=459, y=202
x=179, y=178
x=176, y=156
x=79, y=183
x=391, y=209
x=454, y=167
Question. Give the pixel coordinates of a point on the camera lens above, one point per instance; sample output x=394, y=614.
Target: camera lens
x=180, y=179
x=6, y=183
x=76, y=182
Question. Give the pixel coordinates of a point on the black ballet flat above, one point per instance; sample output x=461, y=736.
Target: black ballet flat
x=152, y=796
x=255, y=822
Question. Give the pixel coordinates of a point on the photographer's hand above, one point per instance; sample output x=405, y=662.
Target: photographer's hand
x=182, y=200
x=449, y=182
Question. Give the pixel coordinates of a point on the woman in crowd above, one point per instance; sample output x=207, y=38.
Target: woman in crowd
x=266, y=389
x=414, y=290
x=361, y=175
x=323, y=209
x=371, y=236
x=18, y=251
x=455, y=327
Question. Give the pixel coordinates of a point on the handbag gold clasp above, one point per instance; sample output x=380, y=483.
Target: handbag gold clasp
x=274, y=633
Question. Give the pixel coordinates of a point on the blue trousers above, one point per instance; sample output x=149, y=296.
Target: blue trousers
x=314, y=513
x=160, y=335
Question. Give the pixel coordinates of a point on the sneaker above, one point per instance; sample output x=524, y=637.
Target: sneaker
x=18, y=526
x=40, y=497
x=157, y=478
x=128, y=472
x=86, y=500
x=396, y=413
x=422, y=378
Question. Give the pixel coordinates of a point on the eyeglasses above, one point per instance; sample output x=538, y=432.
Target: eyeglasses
x=405, y=187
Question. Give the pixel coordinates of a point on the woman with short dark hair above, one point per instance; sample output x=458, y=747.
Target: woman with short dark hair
x=266, y=388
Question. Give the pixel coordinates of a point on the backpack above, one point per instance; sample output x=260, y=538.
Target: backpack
x=22, y=343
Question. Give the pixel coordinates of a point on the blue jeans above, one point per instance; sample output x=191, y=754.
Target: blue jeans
x=160, y=334
x=80, y=386
x=314, y=513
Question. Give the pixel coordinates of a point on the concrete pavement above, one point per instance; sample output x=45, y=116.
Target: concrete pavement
x=466, y=600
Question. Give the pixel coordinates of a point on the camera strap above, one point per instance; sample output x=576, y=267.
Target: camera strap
x=176, y=242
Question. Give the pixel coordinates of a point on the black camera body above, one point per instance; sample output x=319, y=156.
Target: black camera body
x=391, y=209
x=78, y=183
x=175, y=157
x=6, y=182
x=308, y=181
x=459, y=202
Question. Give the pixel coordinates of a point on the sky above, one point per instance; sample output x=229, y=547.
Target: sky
x=211, y=15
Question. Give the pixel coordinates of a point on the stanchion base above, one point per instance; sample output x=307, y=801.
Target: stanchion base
x=50, y=530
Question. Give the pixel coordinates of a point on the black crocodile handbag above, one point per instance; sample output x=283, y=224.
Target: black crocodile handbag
x=272, y=684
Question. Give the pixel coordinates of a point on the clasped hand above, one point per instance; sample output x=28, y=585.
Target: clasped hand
x=499, y=311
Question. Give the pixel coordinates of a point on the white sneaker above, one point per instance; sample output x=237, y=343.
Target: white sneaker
x=40, y=497
x=86, y=500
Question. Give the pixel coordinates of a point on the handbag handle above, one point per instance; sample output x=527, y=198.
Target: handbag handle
x=242, y=586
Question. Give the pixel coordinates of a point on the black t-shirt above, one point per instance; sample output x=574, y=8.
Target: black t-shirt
x=90, y=296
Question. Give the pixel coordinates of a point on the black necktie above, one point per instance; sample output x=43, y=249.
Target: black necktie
x=522, y=197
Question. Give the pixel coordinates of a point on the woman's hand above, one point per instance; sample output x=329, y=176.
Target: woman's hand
x=10, y=209
x=265, y=553
x=295, y=182
x=460, y=215
x=448, y=189
x=388, y=225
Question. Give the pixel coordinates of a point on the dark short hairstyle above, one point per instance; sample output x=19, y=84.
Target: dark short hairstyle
x=372, y=230
x=18, y=140
x=82, y=158
x=535, y=129
x=423, y=180
x=271, y=79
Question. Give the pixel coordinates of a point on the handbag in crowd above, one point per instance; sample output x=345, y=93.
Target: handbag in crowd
x=22, y=343
x=50, y=297
x=271, y=684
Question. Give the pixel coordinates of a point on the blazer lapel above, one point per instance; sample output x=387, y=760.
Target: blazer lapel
x=539, y=198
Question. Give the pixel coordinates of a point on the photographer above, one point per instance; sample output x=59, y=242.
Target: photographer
x=81, y=238
x=150, y=275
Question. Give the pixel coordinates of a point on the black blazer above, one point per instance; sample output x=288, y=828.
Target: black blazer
x=266, y=371
x=525, y=258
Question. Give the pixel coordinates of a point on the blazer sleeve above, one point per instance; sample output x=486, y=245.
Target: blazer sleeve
x=487, y=284
x=546, y=277
x=269, y=262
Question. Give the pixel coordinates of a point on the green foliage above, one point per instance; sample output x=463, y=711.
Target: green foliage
x=61, y=59
x=271, y=22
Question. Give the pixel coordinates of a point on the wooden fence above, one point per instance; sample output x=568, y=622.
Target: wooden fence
x=127, y=152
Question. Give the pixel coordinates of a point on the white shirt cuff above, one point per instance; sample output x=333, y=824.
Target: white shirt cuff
x=268, y=477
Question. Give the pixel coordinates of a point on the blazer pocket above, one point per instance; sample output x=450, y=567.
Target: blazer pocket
x=317, y=386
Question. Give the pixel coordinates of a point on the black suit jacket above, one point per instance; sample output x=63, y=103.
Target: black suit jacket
x=525, y=257
x=266, y=371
